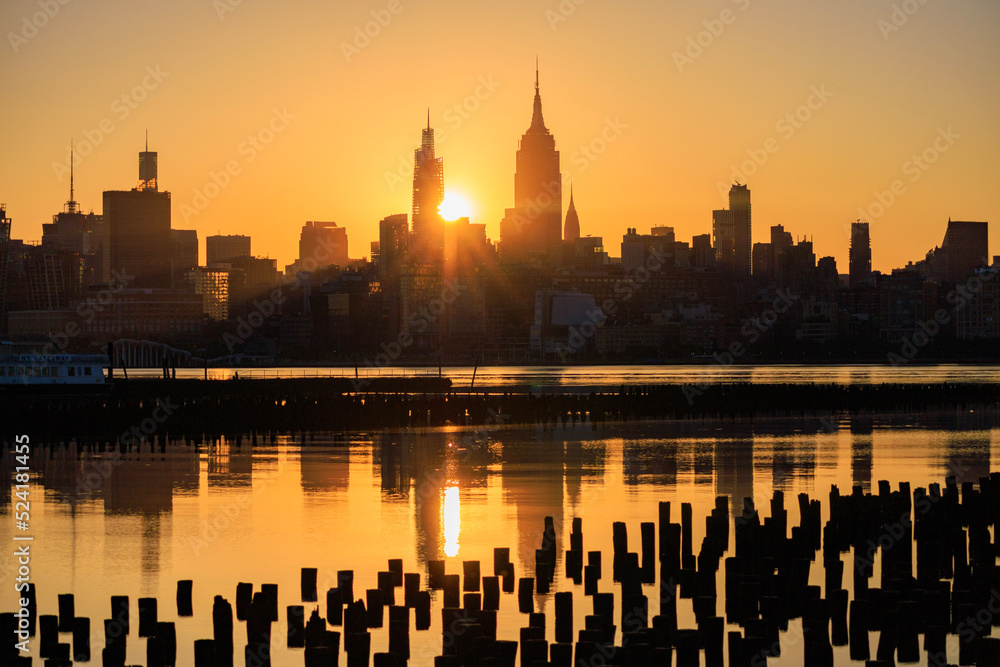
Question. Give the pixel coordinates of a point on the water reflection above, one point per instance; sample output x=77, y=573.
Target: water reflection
x=451, y=517
x=226, y=513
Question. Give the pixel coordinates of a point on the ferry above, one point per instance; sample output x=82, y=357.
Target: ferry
x=68, y=371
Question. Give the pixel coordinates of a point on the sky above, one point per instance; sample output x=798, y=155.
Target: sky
x=269, y=114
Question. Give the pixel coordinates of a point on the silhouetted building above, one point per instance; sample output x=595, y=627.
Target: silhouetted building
x=724, y=239
x=322, y=244
x=963, y=250
x=466, y=247
x=213, y=284
x=739, y=206
x=780, y=238
x=903, y=302
x=980, y=317
x=427, y=244
x=138, y=229
x=763, y=262
x=587, y=251
x=392, y=245
x=184, y=252
x=533, y=227
x=572, y=230
x=702, y=253
x=81, y=234
x=222, y=248
x=260, y=274
x=52, y=278
x=639, y=250
x=860, y=268
x=4, y=259
x=145, y=314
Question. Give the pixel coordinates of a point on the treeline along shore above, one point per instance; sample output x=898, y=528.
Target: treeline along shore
x=140, y=410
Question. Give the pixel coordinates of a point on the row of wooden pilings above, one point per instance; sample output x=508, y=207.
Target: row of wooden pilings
x=954, y=589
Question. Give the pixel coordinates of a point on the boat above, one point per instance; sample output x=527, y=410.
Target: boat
x=53, y=372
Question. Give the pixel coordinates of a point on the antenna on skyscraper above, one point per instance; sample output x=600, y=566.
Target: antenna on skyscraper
x=71, y=204
x=428, y=118
x=147, y=140
x=536, y=73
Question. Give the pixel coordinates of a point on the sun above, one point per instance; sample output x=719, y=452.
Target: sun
x=454, y=206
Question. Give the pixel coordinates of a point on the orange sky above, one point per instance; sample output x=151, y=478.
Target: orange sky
x=336, y=127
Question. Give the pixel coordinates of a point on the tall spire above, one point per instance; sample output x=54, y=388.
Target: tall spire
x=428, y=118
x=147, y=140
x=71, y=204
x=572, y=227
x=537, y=123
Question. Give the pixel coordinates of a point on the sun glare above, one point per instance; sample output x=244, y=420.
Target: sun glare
x=454, y=206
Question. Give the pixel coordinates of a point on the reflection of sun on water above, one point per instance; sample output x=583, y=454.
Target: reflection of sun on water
x=451, y=517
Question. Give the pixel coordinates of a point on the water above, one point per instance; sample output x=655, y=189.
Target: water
x=593, y=378
x=136, y=526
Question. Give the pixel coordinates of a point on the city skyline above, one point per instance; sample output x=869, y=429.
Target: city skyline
x=671, y=141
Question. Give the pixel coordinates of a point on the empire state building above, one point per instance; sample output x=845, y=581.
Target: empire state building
x=533, y=228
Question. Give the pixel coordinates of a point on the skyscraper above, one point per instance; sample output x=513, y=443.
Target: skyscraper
x=963, y=250
x=392, y=246
x=80, y=233
x=724, y=239
x=534, y=225
x=731, y=234
x=222, y=248
x=572, y=231
x=138, y=227
x=739, y=206
x=322, y=244
x=860, y=264
x=428, y=193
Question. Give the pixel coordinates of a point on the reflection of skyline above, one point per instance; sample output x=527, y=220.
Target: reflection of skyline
x=734, y=471
x=229, y=466
x=862, y=444
x=532, y=476
x=649, y=461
